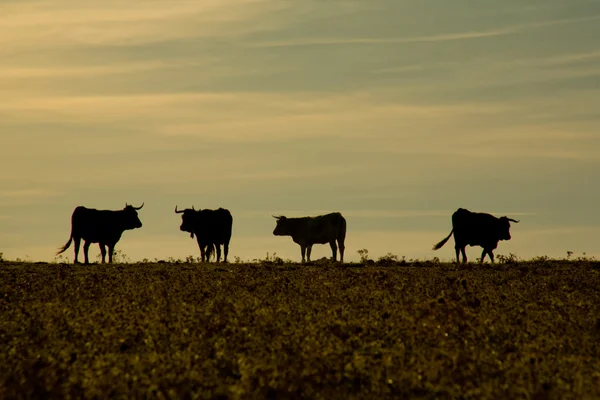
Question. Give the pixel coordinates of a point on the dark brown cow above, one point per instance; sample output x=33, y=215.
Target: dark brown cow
x=477, y=229
x=212, y=229
x=307, y=231
x=104, y=227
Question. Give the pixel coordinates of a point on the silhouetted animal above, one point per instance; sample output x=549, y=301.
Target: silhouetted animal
x=477, y=229
x=104, y=227
x=212, y=229
x=307, y=231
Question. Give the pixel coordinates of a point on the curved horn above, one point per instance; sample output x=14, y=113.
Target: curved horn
x=193, y=208
x=178, y=212
x=513, y=220
x=139, y=208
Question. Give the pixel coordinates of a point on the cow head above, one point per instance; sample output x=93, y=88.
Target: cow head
x=283, y=227
x=131, y=220
x=188, y=220
x=504, y=227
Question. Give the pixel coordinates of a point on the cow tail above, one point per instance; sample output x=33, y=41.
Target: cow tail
x=443, y=242
x=342, y=230
x=210, y=250
x=65, y=247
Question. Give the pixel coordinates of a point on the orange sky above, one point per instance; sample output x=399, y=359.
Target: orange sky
x=394, y=113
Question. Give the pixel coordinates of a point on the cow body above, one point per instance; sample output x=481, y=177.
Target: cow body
x=307, y=231
x=212, y=229
x=477, y=229
x=104, y=227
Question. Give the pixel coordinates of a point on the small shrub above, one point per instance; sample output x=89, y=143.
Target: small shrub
x=364, y=255
x=509, y=259
x=388, y=259
x=191, y=259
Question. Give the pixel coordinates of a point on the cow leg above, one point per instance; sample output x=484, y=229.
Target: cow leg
x=102, y=251
x=483, y=253
x=86, y=247
x=218, y=248
x=77, y=242
x=464, y=253
x=303, y=251
x=308, y=251
x=201, y=247
x=111, y=251
x=457, y=254
x=333, y=250
x=341, y=247
x=225, y=251
x=491, y=254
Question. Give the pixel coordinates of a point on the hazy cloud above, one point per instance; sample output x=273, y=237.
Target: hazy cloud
x=380, y=110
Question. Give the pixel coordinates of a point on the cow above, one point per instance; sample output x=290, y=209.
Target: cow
x=104, y=227
x=212, y=229
x=307, y=231
x=477, y=229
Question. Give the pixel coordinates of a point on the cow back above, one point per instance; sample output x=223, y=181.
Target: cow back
x=319, y=229
x=96, y=225
x=474, y=229
x=214, y=225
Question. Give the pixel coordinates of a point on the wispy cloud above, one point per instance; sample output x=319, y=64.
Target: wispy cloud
x=27, y=193
x=43, y=24
x=349, y=41
x=454, y=36
x=92, y=70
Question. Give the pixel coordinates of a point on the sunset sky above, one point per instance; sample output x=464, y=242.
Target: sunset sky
x=393, y=112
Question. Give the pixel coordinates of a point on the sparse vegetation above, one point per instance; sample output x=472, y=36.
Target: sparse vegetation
x=364, y=256
x=119, y=257
x=269, y=330
x=509, y=259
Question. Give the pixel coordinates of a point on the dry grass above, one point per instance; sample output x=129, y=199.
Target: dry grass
x=421, y=330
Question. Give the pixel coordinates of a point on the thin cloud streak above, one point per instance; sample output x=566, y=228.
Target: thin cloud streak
x=68, y=25
x=27, y=193
x=345, y=41
x=423, y=39
x=91, y=70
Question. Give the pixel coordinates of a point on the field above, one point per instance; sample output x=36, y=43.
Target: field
x=323, y=331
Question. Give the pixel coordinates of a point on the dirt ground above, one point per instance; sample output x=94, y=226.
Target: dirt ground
x=267, y=330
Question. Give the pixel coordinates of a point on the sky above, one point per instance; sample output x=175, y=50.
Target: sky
x=393, y=112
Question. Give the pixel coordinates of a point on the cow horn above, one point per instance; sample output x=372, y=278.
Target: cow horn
x=513, y=220
x=193, y=208
x=139, y=208
x=178, y=212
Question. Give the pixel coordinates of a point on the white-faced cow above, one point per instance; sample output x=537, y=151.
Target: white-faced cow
x=212, y=229
x=477, y=229
x=307, y=231
x=104, y=227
